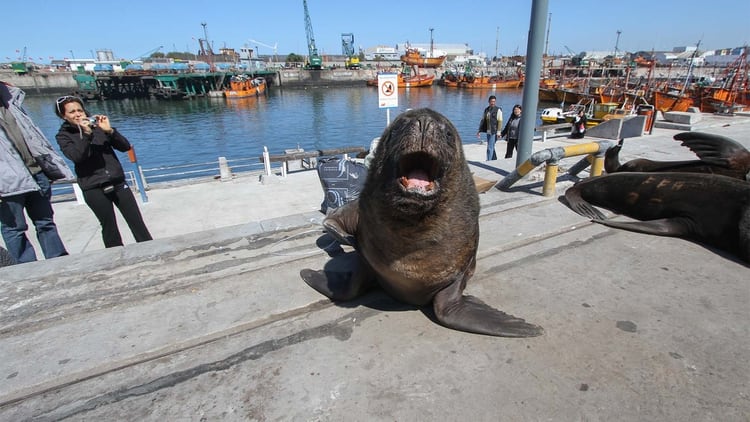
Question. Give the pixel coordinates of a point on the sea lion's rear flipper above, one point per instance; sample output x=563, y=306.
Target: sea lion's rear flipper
x=342, y=223
x=675, y=227
x=576, y=203
x=716, y=149
x=467, y=313
x=612, y=158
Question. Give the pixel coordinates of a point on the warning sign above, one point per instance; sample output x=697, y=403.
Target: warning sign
x=387, y=90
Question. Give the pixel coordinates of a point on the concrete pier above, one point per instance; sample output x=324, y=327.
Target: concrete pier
x=211, y=321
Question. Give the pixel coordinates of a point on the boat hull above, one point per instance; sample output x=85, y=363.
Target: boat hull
x=482, y=83
x=664, y=101
x=417, y=81
x=245, y=88
x=414, y=58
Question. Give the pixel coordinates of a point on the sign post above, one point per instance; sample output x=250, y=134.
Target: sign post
x=387, y=93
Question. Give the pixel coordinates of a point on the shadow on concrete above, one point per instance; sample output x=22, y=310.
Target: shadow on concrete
x=486, y=166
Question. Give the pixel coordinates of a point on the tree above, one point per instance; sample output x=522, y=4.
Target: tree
x=294, y=58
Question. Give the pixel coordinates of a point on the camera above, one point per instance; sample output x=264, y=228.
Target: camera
x=91, y=120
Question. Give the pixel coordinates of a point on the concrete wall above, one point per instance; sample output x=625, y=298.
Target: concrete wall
x=41, y=83
x=335, y=77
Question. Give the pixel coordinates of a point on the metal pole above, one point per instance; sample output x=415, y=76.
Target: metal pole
x=534, y=50
x=138, y=181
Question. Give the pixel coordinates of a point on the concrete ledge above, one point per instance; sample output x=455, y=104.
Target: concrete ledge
x=682, y=117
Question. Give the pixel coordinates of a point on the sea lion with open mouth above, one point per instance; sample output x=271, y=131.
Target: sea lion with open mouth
x=708, y=208
x=415, y=228
x=718, y=155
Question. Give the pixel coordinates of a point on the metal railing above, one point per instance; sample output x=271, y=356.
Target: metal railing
x=63, y=191
x=594, y=152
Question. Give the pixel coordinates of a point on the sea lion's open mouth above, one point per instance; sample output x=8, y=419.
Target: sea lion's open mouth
x=418, y=173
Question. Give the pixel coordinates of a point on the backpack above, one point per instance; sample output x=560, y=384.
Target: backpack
x=342, y=181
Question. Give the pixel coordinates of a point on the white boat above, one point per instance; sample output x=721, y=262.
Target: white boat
x=552, y=115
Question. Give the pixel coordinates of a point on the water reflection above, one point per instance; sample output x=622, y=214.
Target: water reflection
x=169, y=133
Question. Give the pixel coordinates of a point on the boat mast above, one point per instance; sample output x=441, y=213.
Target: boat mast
x=432, y=44
x=546, y=41
x=690, y=68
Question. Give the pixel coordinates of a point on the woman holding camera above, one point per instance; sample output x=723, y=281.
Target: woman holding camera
x=89, y=142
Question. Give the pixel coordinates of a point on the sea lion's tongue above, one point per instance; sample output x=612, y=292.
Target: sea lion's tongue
x=417, y=179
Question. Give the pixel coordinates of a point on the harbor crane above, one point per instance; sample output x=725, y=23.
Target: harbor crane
x=347, y=48
x=314, y=61
x=148, y=53
x=273, y=47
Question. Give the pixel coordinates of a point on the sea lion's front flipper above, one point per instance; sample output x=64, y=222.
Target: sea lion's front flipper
x=341, y=285
x=467, y=313
x=662, y=227
x=342, y=223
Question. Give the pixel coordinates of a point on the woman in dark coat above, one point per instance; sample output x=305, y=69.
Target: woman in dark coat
x=579, y=125
x=90, y=145
x=512, y=130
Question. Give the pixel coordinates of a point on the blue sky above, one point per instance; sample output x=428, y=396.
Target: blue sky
x=135, y=27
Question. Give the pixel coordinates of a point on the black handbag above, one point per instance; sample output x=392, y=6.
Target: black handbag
x=50, y=169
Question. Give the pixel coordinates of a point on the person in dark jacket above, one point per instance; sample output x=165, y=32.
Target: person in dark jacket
x=491, y=123
x=512, y=130
x=578, y=129
x=28, y=166
x=90, y=145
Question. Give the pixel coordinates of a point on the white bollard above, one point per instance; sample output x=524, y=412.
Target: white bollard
x=266, y=160
x=224, y=171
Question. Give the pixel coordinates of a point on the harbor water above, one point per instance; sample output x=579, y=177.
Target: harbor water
x=175, y=133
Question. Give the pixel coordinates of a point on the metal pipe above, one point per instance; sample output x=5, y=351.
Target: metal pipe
x=534, y=51
x=553, y=155
x=550, y=178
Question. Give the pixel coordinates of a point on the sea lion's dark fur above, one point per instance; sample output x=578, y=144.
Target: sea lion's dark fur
x=718, y=155
x=708, y=208
x=415, y=227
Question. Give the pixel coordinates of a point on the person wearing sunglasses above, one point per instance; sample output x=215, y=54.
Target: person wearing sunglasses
x=28, y=166
x=90, y=143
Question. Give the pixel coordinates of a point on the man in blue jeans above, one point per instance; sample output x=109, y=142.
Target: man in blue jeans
x=491, y=124
x=26, y=160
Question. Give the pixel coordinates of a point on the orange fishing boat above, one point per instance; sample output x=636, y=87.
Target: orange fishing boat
x=470, y=81
x=406, y=80
x=672, y=101
x=414, y=57
x=734, y=92
x=243, y=86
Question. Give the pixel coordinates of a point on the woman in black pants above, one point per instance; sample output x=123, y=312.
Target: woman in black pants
x=512, y=130
x=90, y=143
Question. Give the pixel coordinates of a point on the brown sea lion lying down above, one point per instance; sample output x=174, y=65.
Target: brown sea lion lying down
x=718, y=155
x=708, y=208
x=415, y=228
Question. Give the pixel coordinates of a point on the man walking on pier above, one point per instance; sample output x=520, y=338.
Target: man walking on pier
x=28, y=165
x=491, y=123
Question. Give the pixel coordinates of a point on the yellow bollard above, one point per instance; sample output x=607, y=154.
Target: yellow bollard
x=550, y=179
x=598, y=165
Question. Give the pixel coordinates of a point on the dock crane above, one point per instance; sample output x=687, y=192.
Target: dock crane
x=347, y=48
x=314, y=60
x=273, y=47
